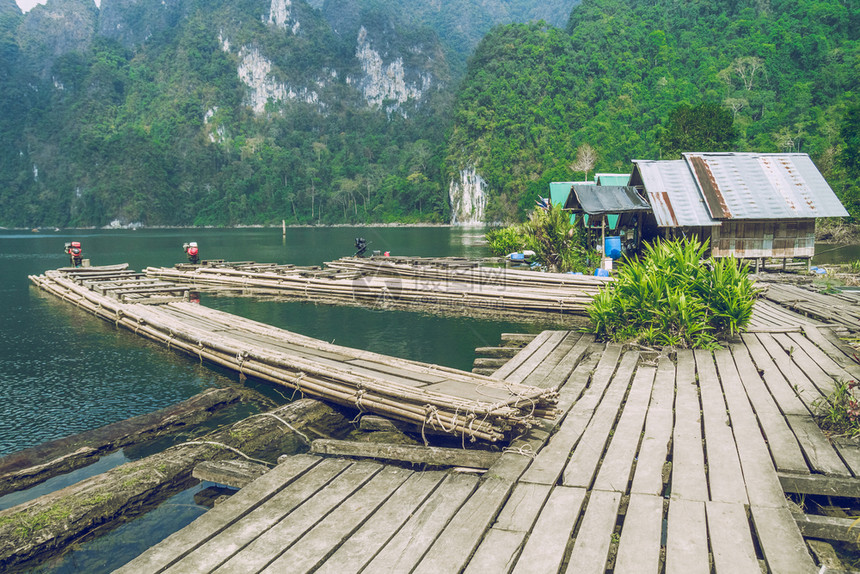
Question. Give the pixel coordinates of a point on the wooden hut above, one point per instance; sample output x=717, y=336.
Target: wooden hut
x=614, y=209
x=750, y=205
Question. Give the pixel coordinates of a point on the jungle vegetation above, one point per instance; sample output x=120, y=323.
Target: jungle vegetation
x=120, y=131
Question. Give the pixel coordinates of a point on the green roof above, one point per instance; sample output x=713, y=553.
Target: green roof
x=559, y=190
x=621, y=179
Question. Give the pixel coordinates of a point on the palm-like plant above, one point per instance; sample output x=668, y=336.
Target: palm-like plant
x=673, y=296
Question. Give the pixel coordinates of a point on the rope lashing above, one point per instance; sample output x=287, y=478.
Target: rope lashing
x=228, y=447
x=240, y=359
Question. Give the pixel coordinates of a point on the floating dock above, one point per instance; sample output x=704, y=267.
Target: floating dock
x=435, y=398
x=429, y=284
x=674, y=462
x=629, y=460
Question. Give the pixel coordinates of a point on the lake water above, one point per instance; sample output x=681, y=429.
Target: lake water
x=64, y=371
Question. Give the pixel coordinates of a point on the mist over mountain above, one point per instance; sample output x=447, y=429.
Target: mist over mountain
x=184, y=112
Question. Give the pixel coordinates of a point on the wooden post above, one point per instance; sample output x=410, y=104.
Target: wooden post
x=603, y=241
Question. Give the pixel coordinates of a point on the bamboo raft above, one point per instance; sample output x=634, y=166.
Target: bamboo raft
x=377, y=281
x=463, y=404
x=842, y=310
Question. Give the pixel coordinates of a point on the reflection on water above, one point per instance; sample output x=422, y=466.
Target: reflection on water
x=826, y=253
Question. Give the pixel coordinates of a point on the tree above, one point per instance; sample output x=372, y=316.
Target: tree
x=705, y=127
x=586, y=158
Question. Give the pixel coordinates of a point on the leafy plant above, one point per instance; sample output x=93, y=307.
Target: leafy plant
x=558, y=244
x=839, y=412
x=673, y=296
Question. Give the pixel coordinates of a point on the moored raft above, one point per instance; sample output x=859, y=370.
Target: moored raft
x=378, y=281
x=439, y=398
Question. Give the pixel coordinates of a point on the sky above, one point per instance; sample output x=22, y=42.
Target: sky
x=25, y=5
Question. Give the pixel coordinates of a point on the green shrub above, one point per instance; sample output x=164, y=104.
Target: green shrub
x=558, y=245
x=505, y=240
x=671, y=296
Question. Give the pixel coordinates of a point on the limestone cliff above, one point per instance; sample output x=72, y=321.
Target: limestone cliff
x=54, y=29
x=133, y=22
x=468, y=198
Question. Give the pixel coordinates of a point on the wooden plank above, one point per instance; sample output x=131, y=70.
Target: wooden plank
x=550, y=461
x=759, y=475
x=235, y=535
x=497, y=552
x=837, y=350
x=688, y=460
x=548, y=541
x=784, y=449
x=522, y=507
x=555, y=369
x=827, y=527
x=534, y=361
x=820, y=485
x=521, y=357
x=849, y=450
x=363, y=545
x=818, y=449
x=725, y=479
x=687, y=538
x=406, y=548
x=648, y=478
x=235, y=473
x=822, y=380
x=731, y=540
x=781, y=542
x=570, y=391
x=591, y=547
x=827, y=356
x=306, y=554
x=639, y=547
x=235, y=508
x=456, y=544
x=802, y=385
x=782, y=392
x=615, y=470
x=431, y=455
x=292, y=525
x=582, y=465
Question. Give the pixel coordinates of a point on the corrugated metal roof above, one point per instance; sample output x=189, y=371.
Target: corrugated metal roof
x=600, y=199
x=763, y=186
x=673, y=194
x=703, y=188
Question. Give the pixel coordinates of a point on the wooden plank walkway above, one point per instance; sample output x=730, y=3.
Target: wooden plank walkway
x=668, y=465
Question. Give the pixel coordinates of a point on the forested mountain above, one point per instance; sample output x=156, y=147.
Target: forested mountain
x=219, y=112
x=786, y=70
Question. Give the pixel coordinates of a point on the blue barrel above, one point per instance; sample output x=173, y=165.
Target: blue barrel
x=613, y=246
